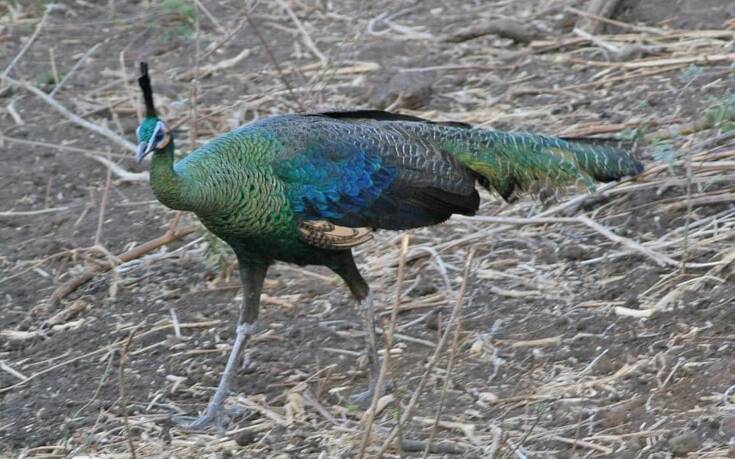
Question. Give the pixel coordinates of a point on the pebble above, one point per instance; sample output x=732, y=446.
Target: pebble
x=684, y=443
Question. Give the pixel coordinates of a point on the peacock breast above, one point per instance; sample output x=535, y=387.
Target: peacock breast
x=246, y=203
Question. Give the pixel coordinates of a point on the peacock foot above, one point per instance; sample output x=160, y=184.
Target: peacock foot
x=201, y=423
x=217, y=420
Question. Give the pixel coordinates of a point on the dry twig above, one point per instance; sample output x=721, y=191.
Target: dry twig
x=29, y=41
x=169, y=236
x=121, y=389
x=304, y=34
x=505, y=28
x=455, y=316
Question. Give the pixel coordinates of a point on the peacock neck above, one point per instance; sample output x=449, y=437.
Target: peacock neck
x=169, y=186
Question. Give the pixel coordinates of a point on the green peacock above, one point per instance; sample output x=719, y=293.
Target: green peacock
x=307, y=188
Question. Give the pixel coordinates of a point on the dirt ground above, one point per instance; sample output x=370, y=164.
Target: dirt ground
x=576, y=340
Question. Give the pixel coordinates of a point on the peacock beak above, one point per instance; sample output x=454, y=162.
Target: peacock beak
x=143, y=151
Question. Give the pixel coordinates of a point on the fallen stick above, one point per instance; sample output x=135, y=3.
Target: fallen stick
x=584, y=444
x=710, y=200
x=210, y=16
x=700, y=59
x=26, y=213
x=209, y=69
x=660, y=259
x=609, y=128
x=8, y=369
x=169, y=236
x=504, y=28
x=122, y=174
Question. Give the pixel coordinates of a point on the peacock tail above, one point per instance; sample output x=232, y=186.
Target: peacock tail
x=513, y=162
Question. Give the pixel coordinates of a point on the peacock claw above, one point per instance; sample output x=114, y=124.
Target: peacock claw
x=207, y=420
x=201, y=423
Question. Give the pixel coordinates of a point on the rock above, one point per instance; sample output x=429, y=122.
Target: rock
x=410, y=90
x=684, y=443
x=572, y=252
x=432, y=320
x=245, y=438
x=623, y=413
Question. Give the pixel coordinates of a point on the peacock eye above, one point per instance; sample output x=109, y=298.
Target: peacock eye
x=159, y=135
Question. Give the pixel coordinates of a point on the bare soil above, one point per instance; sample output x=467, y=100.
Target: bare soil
x=572, y=343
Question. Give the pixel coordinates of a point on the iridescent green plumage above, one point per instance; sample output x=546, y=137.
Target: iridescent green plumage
x=306, y=188
x=255, y=184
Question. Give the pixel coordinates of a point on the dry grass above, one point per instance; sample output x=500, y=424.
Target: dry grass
x=653, y=256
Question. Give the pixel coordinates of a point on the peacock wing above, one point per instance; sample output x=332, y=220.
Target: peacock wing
x=364, y=173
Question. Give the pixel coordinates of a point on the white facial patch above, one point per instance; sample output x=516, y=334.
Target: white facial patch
x=159, y=130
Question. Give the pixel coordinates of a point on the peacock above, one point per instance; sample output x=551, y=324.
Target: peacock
x=307, y=188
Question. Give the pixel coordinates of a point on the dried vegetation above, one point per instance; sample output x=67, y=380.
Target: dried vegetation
x=596, y=325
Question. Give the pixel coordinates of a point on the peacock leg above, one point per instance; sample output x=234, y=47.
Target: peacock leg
x=368, y=309
x=343, y=264
x=252, y=276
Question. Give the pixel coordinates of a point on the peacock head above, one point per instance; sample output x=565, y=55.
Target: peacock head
x=153, y=135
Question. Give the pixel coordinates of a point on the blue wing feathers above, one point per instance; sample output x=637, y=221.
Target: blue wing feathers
x=357, y=176
x=333, y=181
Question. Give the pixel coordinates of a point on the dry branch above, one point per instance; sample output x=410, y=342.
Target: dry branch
x=584, y=444
x=122, y=174
x=26, y=213
x=121, y=389
x=210, y=69
x=505, y=28
x=622, y=25
x=169, y=236
x=10, y=370
x=699, y=59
